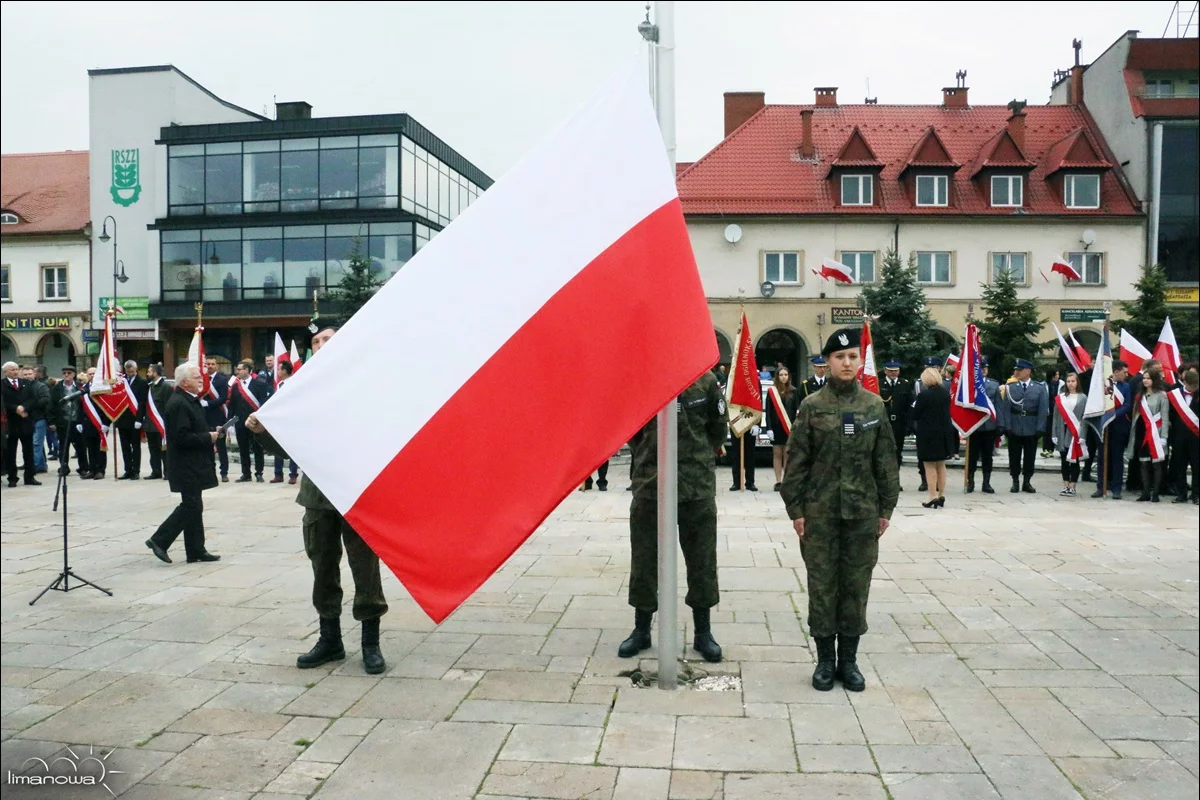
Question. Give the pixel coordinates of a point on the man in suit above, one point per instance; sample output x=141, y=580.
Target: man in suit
x=1117, y=433
x=983, y=440
x=158, y=394
x=129, y=424
x=817, y=379
x=190, y=467
x=1185, y=444
x=1024, y=406
x=215, y=412
x=246, y=393
x=267, y=373
x=898, y=399
x=18, y=398
x=93, y=437
x=65, y=416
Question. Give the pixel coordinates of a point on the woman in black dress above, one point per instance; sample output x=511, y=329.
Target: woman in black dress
x=936, y=437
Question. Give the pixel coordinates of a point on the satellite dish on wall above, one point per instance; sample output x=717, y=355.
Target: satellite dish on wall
x=766, y=289
x=1088, y=238
x=733, y=233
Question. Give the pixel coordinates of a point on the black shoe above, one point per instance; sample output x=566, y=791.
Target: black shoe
x=1144, y=497
x=155, y=476
x=987, y=487
x=32, y=482
x=1027, y=488
x=823, y=675
x=924, y=487
x=86, y=476
x=13, y=484
x=224, y=479
x=1183, y=498
x=639, y=640
x=847, y=668
x=735, y=488
x=1154, y=497
x=1116, y=495
x=970, y=487
x=203, y=557
x=126, y=476
x=778, y=487
x=328, y=647
x=941, y=502
x=1016, y=487
x=602, y=486
x=587, y=485
x=750, y=487
x=97, y=476
x=135, y=476
x=930, y=504
x=158, y=551
x=244, y=479
x=703, y=641
x=1096, y=495
x=258, y=478
x=373, y=661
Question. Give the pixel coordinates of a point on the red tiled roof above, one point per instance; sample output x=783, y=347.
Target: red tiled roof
x=1074, y=151
x=999, y=152
x=1164, y=54
x=758, y=169
x=680, y=166
x=48, y=191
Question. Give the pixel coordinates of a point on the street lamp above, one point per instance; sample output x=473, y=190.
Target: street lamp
x=118, y=266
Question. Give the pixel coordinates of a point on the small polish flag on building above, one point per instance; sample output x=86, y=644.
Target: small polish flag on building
x=582, y=235
x=835, y=270
x=1068, y=272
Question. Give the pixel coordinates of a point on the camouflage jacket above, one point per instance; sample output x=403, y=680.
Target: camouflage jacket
x=703, y=425
x=841, y=457
x=309, y=495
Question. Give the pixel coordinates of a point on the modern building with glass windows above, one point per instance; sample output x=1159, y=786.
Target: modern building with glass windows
x=258, y=218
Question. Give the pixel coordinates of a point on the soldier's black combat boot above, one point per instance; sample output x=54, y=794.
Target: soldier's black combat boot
x=822, y=679
x=847, y=666
x=703, y=641
x=970, y=485
x=1027, y=487
x=1016, y=487
x=373, y=661
x=328, y=647
x=987, y=483
x=639, y=640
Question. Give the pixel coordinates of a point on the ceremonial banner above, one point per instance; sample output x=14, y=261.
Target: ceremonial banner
x=743, y=395
x=970, y=407
x=1101, y=405
x=108, y=389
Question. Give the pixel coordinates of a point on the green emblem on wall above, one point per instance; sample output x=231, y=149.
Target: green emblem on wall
x=126, y=177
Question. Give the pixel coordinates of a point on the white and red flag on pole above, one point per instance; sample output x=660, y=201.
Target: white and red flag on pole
x=281, y=354
x=834, y=270
x=1068, y=272
x=744, y=392
x=1081, y=354
x=1133, y=352
x=970, y=406
x=1167, y=351
x=108, y=389
x=294, y=354
x=580, y=236
x=1068, y=351
x=867, y=375
x=196, y=356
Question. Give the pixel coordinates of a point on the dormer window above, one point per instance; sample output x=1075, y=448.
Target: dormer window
x=9, y=218
x=1081, y=191
x=1008, y=191
x=857, y=190
x=933, y=190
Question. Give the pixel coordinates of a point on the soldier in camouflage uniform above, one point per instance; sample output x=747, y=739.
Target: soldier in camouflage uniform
x=841, y=486
x=703, y=426
x=325, y=532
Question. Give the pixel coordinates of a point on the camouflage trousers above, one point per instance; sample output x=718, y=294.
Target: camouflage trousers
x=697, y=538
x=325, y=532
x=839, y=555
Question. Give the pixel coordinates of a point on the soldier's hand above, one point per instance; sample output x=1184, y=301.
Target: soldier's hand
x=883, y=526
x=798, y=524
x=253, y=425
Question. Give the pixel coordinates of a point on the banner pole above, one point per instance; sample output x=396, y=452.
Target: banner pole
x=662, y=65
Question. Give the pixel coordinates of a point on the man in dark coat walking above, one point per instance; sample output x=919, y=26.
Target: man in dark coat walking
x=190, y=468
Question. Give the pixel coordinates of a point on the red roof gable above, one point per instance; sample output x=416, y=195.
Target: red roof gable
x=758, y=170
x=930, y=151
x=48, y=191
x=1000, y=152
x=1074, y=151
x=856, y=152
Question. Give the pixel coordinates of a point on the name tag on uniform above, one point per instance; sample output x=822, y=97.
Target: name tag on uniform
x=871, y=423
x=696, y=401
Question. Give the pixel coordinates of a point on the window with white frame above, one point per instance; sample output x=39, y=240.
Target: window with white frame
x=54, y=282
x=1090, y=266
x=1013, y=263
x=1160, y=87
x=857, y=190
x=933, y=267
x=781, y=267
x=4, y=288
x=861, y=265
x=1082, y=191
x=1008, y=190
x=933, y=190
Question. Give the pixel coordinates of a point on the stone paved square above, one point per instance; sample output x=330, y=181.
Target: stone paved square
x=1007, y=658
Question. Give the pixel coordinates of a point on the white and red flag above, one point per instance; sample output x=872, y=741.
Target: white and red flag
x=196, y=356
x=108, y=390
x=281, y=354
x=743, y=395
x=970, y=406
x=1133, y=352
x=1069, y=351
x=1081, y=353
x=834, y=270
x=1068, y=272
x=295, y=357
x=580, y=236
x=1167, y=351
x=867, y=375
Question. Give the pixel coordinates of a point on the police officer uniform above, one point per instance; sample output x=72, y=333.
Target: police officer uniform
x=814, y=384
x=983, y=439
x=897, y=398
x=703, y=425
x=1024, y=406
x=842, y=480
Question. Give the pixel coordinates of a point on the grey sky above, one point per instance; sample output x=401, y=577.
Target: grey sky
x=492, y=78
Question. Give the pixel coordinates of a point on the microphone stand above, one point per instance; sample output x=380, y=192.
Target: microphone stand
x=63, y=582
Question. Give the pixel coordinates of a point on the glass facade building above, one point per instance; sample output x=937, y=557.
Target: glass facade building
x=1179, y=218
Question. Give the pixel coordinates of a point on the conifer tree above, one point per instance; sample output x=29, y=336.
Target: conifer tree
x=1144, y=315
x=1009, y=326
x=359, y=282
x=903, y=330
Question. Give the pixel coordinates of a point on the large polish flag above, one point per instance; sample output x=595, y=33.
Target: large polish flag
x=585, y=234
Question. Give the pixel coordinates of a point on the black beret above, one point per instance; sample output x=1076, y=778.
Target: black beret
x=843, y=339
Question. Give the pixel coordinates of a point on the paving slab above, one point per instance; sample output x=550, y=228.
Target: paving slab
x=790, y=787
x=734, y=745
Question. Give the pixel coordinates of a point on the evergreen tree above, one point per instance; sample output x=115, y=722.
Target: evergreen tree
x=1144, y=316
x=1006, y=332
x=903, y=330
x=359, y=282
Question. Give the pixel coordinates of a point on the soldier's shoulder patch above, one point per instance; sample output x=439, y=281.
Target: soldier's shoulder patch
x=721, y=405
x=871, y=423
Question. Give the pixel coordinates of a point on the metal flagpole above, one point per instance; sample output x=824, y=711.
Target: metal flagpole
x=661, y=36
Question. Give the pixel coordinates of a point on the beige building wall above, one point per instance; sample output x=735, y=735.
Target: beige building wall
x=734, y=271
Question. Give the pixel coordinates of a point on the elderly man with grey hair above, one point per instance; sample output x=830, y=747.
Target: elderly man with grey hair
x=129, y=424
x=18, y=399
x=190, y=468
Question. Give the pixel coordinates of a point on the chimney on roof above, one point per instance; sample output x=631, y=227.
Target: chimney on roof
x=826, y=96
x=1075, y=95
x=1016, y=123
x=956, y=96
x=294, y=110
x=741, y=106
x=807, y=149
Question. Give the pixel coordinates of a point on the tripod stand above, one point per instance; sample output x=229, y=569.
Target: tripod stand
x=63, y=582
